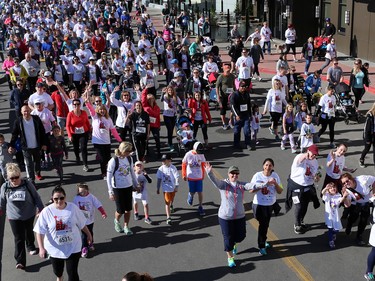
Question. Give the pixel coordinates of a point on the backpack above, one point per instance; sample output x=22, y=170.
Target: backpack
x=117, y=163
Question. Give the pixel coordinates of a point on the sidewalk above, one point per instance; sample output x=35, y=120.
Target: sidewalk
x=268, y=66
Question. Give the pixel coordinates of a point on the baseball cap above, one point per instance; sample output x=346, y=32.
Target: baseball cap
x=91, y=58
x=40, y=85
x=233, y=169
x=176, y=74
x=185, y=125
x=242, y=83
x=47, y=73
x=198, y=146
x=38, y=100
x=138, y=163
x=166, y=157
x=314, y=149
x=174, y=61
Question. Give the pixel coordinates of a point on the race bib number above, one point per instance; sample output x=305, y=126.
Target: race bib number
x=19, y=195
x=152, y=120
x=229, y=91
x=141, y=130
x=103, y=131
x=86, y=213
x=243, y=107
x=79, y=130
x=65, y=238
x=295, y=200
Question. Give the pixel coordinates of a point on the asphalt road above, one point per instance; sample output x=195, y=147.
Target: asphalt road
x=192, y=248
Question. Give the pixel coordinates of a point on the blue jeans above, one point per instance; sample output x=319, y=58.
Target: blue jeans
x=245, y=124
x=268, y=47
x=308, y=62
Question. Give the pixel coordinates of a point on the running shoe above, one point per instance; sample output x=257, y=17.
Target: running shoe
x=271, y=131
x=33, y=252
x=190, y=199
x=169, y=221
x=118, y=226
x=201, y=211
x=148, y=221
x=85, y=168
x=362, y=164
x=332, y=244
x=136, y=217
x=298, y=229
x=231, y=262
x=127, y=231
x=91, y=247
x=369, y=276
x=20, y=266
x=282, y=147
x=277, y=138
x=268, y=245
x=172, y=209
x=84, y=252
x=235, y=249
x=39, y=177
x=263, y=251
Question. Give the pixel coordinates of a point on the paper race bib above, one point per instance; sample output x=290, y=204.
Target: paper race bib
x=103, y=131
x=141, y=130
x=243, y=107
x=64, y=238
x=295, y=200
x=229, y=91
x=79, y=130
x=19, y=195
x=152, y=120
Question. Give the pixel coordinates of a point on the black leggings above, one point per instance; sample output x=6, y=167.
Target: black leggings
x=71, y=266
x=301, y=208
x=328, y=122
x=358, y=93
x=367, y=149
x=123, y=132
x=256, y=69
x=80, y=143
x=170, y=122
x=204, y=129
x=104, y=153
x=275, y=119
x=140, y=146
x=361, y=211
x=263, y=215
x=156, y=134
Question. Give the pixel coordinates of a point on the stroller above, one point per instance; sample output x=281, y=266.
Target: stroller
x=320, y=46
x=211, y=88
x=345, y=104
x=197, y=62
x=183, y=148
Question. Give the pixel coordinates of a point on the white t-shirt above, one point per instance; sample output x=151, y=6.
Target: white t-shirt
x=303, y=173
x=113, y=40
x=194, y=161
x=290, y=36
x=275, y=100
x=284, y=81
x=125, y=176
x=266, y=33
x=46, y=97
x=78, y=71
x=331, y=51
x=331, y=208
x=169, y=177
x=46, y=117
x=209, y=67
x=255, y=121
x=87, y=205
x=142, y=195
x=62, y=230
x=336, y=168
x=364, y=187
x=245, y=65
x=307, y=131
x=101, y=128
x=328, y=104
x=266, y=196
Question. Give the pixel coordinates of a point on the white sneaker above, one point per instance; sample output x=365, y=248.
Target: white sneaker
x=306, y=73
x=282, y=147
x=260, y=78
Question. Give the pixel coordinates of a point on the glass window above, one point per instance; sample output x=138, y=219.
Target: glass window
x=326, y=5
x=342, y=9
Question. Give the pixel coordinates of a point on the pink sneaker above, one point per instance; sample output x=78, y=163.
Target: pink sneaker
x=84, y=252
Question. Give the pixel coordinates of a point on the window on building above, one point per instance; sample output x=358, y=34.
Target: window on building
x=342, y=9
x=326, y=5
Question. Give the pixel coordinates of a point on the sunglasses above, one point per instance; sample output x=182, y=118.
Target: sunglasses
x=98, y=101
x=59, y=199
x=38, y=103
x=125, y=95
x=244, y=86
x=14, y=178
x=76, y=104
x=234, y=173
